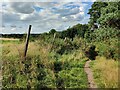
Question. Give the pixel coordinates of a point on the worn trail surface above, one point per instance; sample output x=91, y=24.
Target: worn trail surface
x=89, y=75
x=0, y=79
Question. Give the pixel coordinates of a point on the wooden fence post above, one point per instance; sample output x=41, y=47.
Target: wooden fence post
x=27, y=41
x=53, y=41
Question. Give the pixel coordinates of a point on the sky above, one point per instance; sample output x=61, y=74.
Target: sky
x=43, y=16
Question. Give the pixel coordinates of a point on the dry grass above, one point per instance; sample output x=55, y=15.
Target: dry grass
x=12, y=49
x=9, y=39
x=34, y=49
x=35, y=52
x=39, y=50
x=106, y=72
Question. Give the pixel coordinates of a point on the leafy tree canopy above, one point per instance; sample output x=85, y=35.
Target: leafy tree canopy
x=52, y=31
x=95, y=11
x=110, y=15
x=105, y=14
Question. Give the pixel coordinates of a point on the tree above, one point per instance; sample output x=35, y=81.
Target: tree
x=81, y=29
x=78, y=29
x=95, y=12
x=71, y=32
x=52, y=31
x=63, y=34
x=110, y=15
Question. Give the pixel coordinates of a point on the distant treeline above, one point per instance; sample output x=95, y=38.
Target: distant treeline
x=17, y=35
x=78, y=30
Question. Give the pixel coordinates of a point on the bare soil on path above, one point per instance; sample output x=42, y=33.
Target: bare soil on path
x=89, y=75
x=0, y=79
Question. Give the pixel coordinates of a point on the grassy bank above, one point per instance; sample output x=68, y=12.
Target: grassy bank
x=42, y=68
x=55, y=65
x=105, y=72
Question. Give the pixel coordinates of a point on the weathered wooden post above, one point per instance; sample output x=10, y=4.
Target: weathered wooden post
x=53, y=41
x=54, y=37
x=65, y=39
x=27, y=41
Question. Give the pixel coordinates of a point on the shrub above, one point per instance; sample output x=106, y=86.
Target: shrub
x=91, y=53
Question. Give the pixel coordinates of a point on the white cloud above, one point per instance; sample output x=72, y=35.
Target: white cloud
x=58, y=15
x=13, y=29
x=50, y=0
x=23, y=16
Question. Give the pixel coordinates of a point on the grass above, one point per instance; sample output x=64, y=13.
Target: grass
x=4, y=41
x=72, y=72
x=46, y=68
x=105, y=72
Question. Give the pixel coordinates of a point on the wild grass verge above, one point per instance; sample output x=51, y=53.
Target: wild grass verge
x=105, y=72
x=42, y=68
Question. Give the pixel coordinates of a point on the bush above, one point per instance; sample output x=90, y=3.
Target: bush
x=91, y=53
x=108, y=49
x=104, y=34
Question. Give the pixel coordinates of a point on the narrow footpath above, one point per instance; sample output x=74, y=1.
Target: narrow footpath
x=0, y=79
x=89, y=75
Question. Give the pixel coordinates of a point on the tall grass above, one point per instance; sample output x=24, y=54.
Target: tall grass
x=42, y=67
x=105, y=72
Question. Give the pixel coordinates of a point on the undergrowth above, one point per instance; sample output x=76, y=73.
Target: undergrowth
x=42, y=68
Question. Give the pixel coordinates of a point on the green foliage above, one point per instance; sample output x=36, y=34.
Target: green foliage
x=17, y=41
x=107, y=41
x=74, y=78
x=57, y=62
x=105, y=14
x=91, y=53
x=36, y=72
x=77, y=30
x=29, y=73
x=109, y=49
x=81, y=29
x=52, y=31
x=70, y=74
x=104, y=34
x=95, y=11
x=110, y=15
x=65, y=48
x=71, y=32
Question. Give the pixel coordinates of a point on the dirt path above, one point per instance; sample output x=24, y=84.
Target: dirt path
x=0, y=79
x=89, y=75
